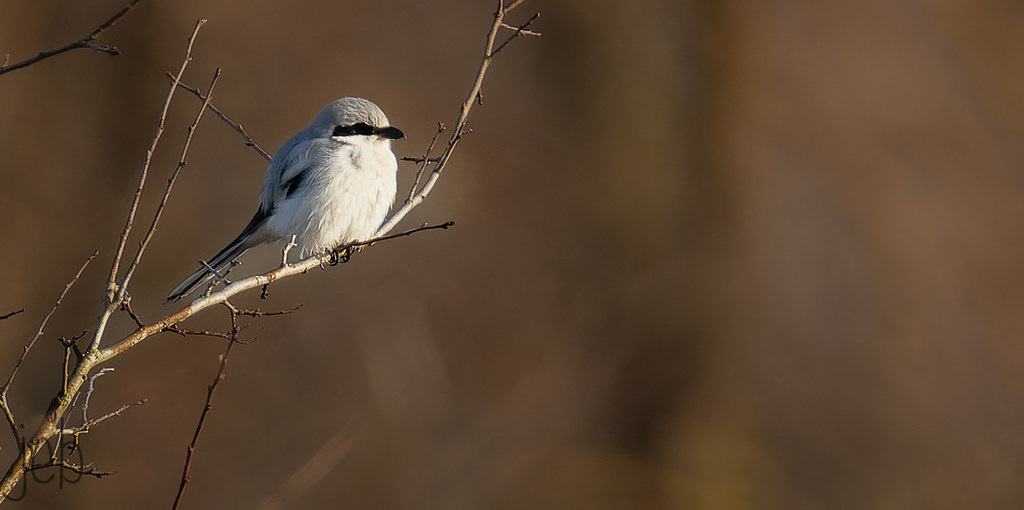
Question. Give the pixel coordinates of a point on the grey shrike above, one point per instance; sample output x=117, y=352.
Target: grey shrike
x=331, y=184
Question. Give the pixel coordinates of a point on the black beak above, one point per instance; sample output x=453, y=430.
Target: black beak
x=389, y=132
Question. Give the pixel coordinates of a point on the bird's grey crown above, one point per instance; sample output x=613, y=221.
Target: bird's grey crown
x=347, y=111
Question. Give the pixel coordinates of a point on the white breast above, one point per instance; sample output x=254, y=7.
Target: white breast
x=345, y=199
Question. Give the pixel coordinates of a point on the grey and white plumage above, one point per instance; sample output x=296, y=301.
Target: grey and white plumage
x=330, y=184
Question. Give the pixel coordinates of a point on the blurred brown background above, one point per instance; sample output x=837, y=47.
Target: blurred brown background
x=708, y=254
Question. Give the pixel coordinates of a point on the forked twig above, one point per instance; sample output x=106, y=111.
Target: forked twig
x=50, y=425
x=170, y=184
x=115, y=294
x=28, y=347
x=459, y=129
x=90, y=41
x=425, y=160
x=517, y=31
x=249, y=142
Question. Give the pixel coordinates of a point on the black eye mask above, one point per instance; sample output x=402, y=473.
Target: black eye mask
x=361, y=128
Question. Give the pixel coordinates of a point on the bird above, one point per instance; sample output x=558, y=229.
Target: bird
x=331, y=184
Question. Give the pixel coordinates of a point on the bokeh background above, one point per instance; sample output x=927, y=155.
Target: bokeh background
x=709, y=254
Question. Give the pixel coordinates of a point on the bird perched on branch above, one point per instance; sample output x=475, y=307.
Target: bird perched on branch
x=331, y=184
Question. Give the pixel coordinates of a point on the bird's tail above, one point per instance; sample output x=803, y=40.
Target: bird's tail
x=220, y=262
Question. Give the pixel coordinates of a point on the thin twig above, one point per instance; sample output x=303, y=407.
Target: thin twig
x=261, y=313
x=112, y=297
x=70, y=345
x=116, y=412
x=234, y=125
x=12, y=314
x=186, y=474
x=97, y=356
x=88, y=41
x=64, y=464
x=126, y=305
x=520, y=30
x=198, y=332
x=60, y=405
x=88, y=392
x=170, y=185
x=506, y=10
x=28, y=347
x=421, y=228
x=460, y=124
x=425, y=160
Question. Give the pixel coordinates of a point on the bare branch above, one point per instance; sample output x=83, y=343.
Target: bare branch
x=221, y=296
x=24, y=354
x=126, y=305
x=260, y=313
x=88, y=41
x=287, y=248
x=518, y=31
x=88, y=392
x=96, y=356
x=75, y=468
x=421, y=228
x=521, y=30
x=425, y=160
x=12, y=314
x=112, y=297
x=198, y=332
x=234, y=125
x=116, y=412
x=170, y=185
x=70, y=345
x=59, y=406
x=460, y=125
x=506, y=10
x=186, y=474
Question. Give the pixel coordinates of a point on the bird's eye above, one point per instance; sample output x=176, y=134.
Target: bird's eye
x=359, y=128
